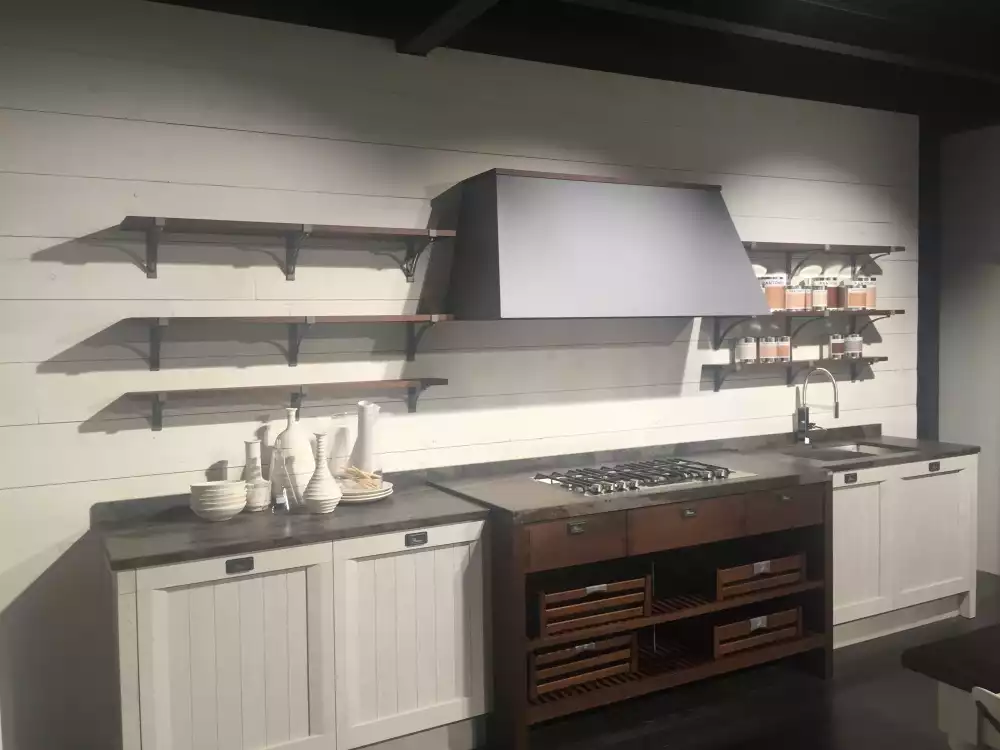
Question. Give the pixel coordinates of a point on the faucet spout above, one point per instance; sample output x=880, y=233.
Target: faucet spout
x=802, y=413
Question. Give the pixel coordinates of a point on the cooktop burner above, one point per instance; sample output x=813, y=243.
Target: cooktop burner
x=659, y=472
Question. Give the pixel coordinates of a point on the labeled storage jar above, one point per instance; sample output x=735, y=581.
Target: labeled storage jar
x=837, y=346
x=854, y=346
x=784, y=349
x=774, y=290
x=795, y=298
x=819, y=297
x=746, y=350
x=768, y=349
x=871, y=293
x=857, y=295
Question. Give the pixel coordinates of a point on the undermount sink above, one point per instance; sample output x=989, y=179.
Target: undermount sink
x=829, y=453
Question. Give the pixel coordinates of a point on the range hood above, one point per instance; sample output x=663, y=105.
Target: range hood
x=539, y=245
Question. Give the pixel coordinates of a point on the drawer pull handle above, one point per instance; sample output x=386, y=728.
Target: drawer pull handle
x=762, y=567
x=689, y=513
x=239, y=565
x=576, y=527
x=758, y=623
x=599, y=588
x=934, y=466
x=785, y=498
x=851, y=478
x=415, y=539
x=584, y=647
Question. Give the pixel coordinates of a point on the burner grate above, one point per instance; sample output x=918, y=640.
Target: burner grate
x=635, y=475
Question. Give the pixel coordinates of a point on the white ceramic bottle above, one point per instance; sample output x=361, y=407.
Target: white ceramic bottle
x=322, y=493
x=258, y=496
x=293, y=450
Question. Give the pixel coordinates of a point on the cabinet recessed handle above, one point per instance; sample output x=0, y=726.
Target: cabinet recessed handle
x=576, y=527
x=689, y=513
x=934, y=466
x=851, y=478
x=239, y=565
x=415, y=539
x=785, y=498
x=584, y=647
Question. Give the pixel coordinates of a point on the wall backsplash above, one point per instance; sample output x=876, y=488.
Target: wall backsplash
x=262, y=121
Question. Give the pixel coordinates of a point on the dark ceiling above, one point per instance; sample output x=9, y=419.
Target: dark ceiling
x=930, y=57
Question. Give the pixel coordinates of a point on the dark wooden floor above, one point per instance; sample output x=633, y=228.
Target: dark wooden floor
x=872, y=702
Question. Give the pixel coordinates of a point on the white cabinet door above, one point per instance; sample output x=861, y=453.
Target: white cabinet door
x=237, y=653
x=932, y=532
x=862, y=584
x=409, y=632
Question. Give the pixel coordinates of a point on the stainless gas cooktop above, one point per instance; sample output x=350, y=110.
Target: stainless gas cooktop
x=638, y=475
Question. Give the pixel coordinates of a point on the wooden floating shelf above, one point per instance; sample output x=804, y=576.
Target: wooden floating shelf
x=792, y=369
x=720, y=334
x=669, y=666
x=298, y=327
x=673, y=609
x=414, y=240
x=413, y=388
x=808, y=250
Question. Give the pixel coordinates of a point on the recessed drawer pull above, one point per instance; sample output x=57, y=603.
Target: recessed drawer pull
x=415, y=539
x=758, y=623
x=785, y=498
x=599, y=588
x=239, y=565
x=584, y=647
x=689, y=513
x=576, y=527
x=762, y=567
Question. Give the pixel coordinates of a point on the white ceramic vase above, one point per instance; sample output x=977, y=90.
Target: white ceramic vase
x=258, y=496
x=293, y=450
x=322, y=493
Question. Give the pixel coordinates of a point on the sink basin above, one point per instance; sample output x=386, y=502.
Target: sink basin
x=828, y=453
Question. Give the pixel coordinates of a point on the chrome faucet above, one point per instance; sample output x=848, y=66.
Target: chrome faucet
x=802, y=423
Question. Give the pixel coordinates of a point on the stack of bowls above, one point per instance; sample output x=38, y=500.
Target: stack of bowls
x=218, y=501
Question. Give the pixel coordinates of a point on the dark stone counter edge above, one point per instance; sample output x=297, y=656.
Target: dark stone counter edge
x=261, y=544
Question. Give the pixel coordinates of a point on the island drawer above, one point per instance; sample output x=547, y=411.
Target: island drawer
x=788, y=508
x=742, y=580
x=583, y=662
x=589, y=606
x=753, y=632
x=575, y=541
x=664, y=527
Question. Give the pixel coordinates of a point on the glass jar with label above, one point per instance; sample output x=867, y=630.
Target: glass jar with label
x=857, y=295
x=795, y=298
x=854, y=346
x=774, y=290
x=820, y=298
x=746, y=350
x=837, y=346
x=768, y=349
x=871, y=293
x=784, y=353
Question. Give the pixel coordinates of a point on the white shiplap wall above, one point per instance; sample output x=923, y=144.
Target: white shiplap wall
x=116, y=107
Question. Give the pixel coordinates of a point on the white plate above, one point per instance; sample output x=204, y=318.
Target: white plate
x=369, y=498
x=359, y=493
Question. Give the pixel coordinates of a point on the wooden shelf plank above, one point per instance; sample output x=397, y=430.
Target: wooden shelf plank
x=826, y=313
x=666, y=610
x=352, y=386
x=677, y=668
x=273, y=229
x=301, y=319
x=752, y=366
x=807, y=247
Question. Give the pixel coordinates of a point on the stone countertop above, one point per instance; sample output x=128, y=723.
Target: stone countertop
x=160, y=531
x=508, y=487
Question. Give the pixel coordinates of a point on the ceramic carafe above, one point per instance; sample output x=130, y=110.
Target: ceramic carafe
x=364, y=455
x=293, y=450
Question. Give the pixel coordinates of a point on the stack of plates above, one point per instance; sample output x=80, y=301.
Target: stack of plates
x=218, y=501
x=355, y=494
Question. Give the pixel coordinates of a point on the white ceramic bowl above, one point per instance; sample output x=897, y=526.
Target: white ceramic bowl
x=218, y=514
x=322, y=506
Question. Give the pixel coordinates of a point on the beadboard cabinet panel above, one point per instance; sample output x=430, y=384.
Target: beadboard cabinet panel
x=237, y=663
x=409, y=632
x=861, y=570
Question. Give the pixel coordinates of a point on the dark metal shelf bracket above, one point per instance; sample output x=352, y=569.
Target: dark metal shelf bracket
x=297, y=332
x=295, y=401
x=153, y=234
x=871, y=322
x=159, y=399
x=156, y=327
x=412, y=396
x=293, y=244
x=719, y=333
x=414, y=333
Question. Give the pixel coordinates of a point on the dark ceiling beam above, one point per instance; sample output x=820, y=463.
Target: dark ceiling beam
x=444, y=27
x=642, y=10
